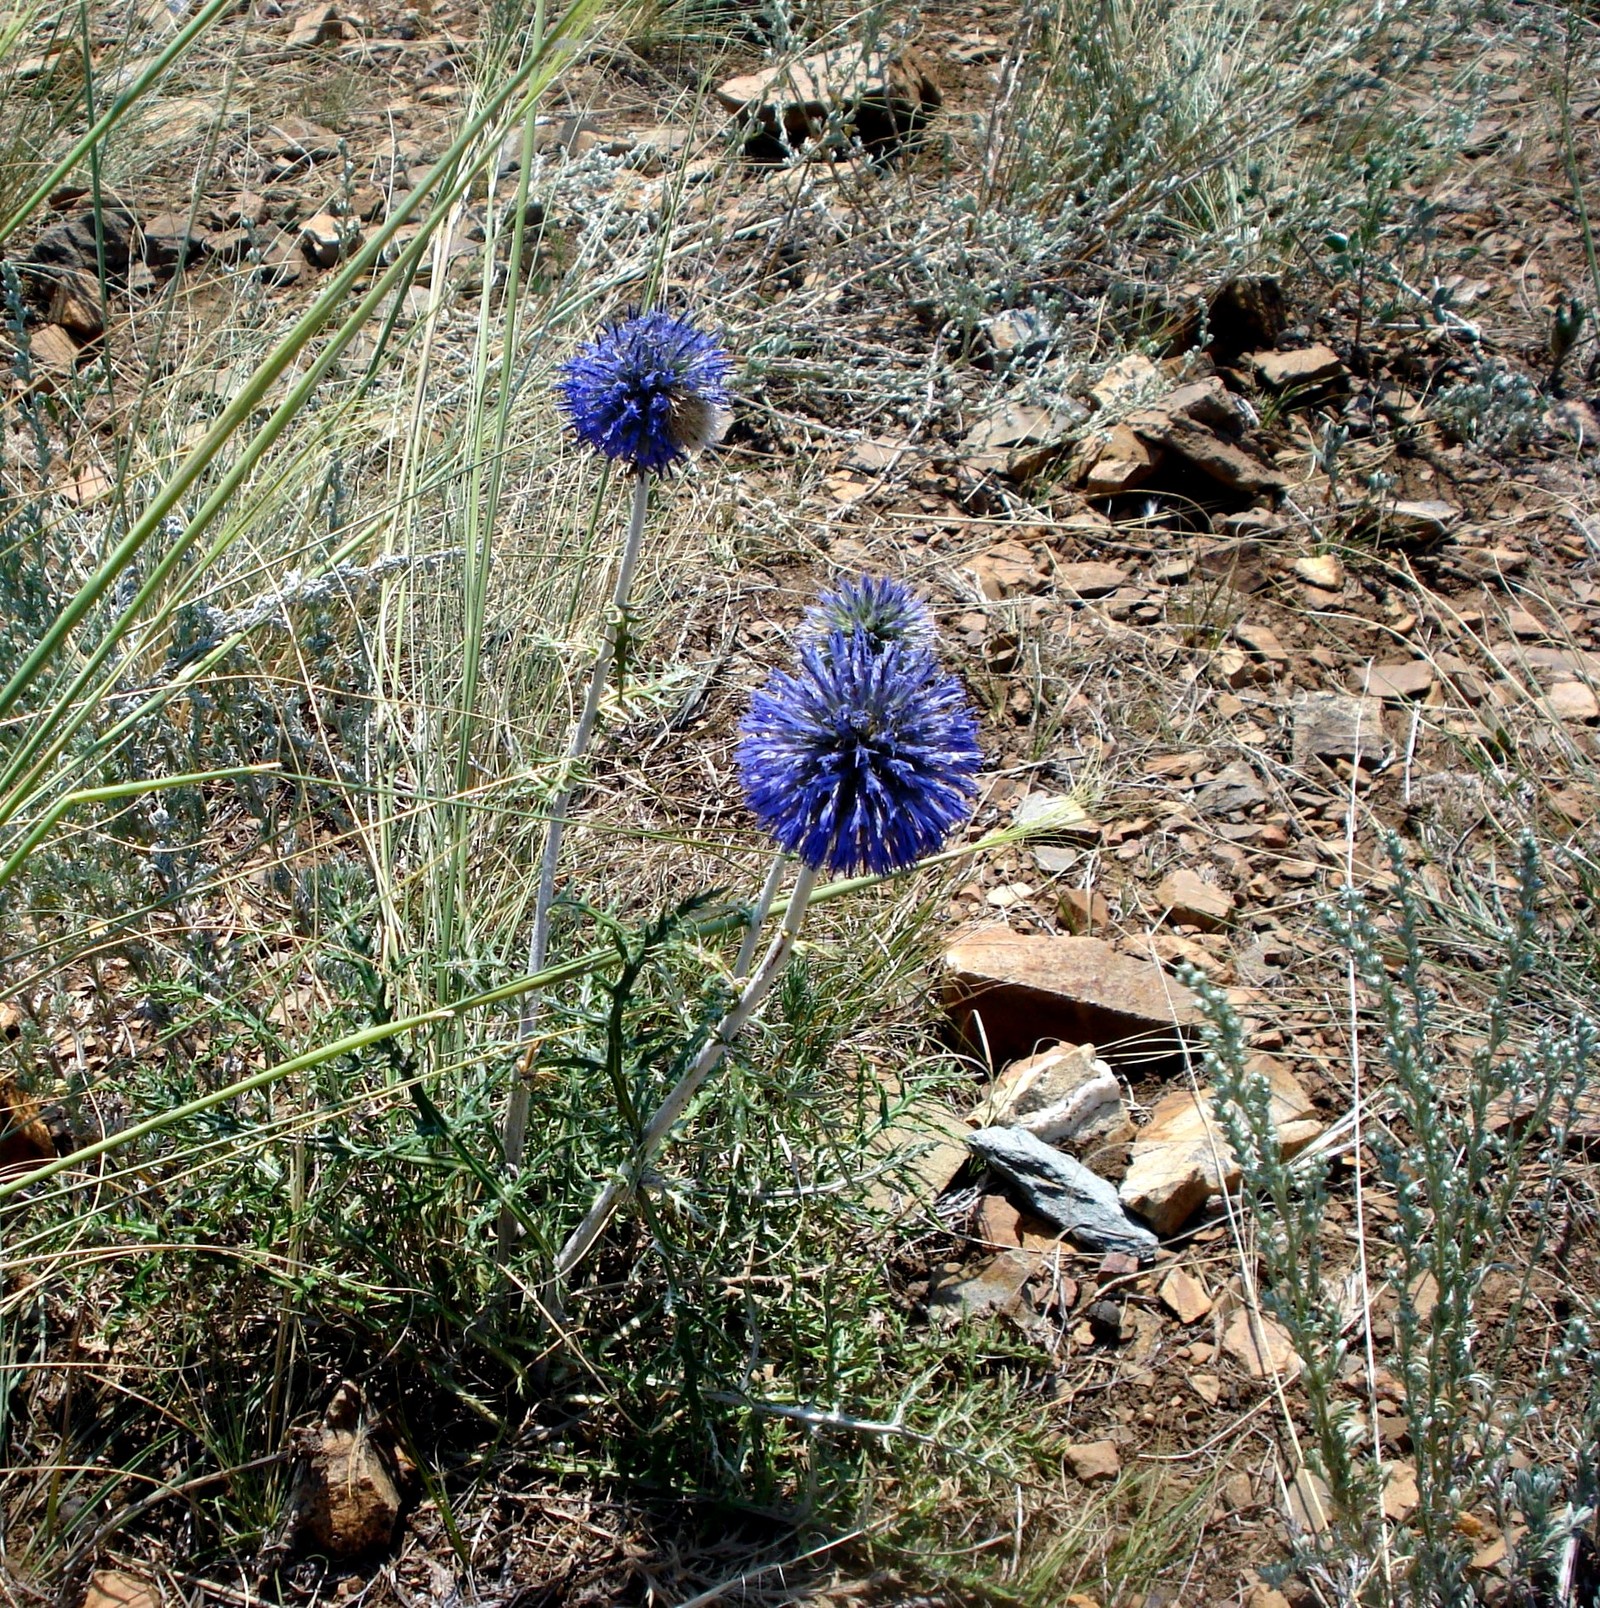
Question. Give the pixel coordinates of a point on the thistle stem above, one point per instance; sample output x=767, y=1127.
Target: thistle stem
x=758, y=919
x=514, y=1136
x=705, y=1063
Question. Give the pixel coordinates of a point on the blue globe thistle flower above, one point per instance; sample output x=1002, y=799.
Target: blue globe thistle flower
x=886, y=609
x=864, y=758
x=648, y=391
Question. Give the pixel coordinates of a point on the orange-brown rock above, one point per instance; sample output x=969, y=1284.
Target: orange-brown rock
x=1010, y=993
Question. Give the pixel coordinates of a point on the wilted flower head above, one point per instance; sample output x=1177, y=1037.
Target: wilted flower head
x=648, y=391
x=864, y=758
x=886, y=609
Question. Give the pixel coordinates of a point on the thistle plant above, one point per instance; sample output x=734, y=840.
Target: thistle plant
x=649, y=393
x=861, y=759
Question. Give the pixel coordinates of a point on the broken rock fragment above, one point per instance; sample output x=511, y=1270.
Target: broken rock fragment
x=1062, y=1093
x=1333, y=725
x=1181, y=1157
x=1009, y=993
x=1062, y=1191
x=1297, y=371
x=883, y=98
x=346, y=1494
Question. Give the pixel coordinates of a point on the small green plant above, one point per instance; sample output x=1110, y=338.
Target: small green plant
x=1496, y=408
x=1472, y=1157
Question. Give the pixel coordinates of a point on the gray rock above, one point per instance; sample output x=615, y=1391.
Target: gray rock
x=1063, y=1191
x=1233, y=788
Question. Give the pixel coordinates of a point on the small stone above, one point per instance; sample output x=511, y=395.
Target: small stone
x=1184, y=1296
x=169, y=242
x=1060, y=1093
x=1287, y=371
x=1006, y=570
x=1263, y=1596
x=281, y=261
x=112, y=1588
x=1321, y=570
x=1207, y=1387
x=1176, y=1155
x=1027, y=990
x=1398, y=682
x=1572, y=700
x=1526, y=627
x=1576, y=421
x=1015, y=333
x=1400, y=1494
x=1424, y=520
x=1333, y=725
x=1310, y=1502
x=1105, y=1322
x=996, y=1288
x=1191, y=900
x=1089, y=579
x=1260, y=1345
x=1231, y=790
x=296, y=139
x=1263, y=642
x=998, y=1222
x=75, y=306
x=52, y=352
x=1062, y=1191
x=1238, y=1491
x=1132, y=378
x=322, y=240
x=321, y=25
x=1121, y=462
x=1093, y=1460
x=346, y=1493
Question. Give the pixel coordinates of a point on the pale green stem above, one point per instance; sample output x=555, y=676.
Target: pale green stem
x=514, y=1138
x=710, y=1057
x=758, y=919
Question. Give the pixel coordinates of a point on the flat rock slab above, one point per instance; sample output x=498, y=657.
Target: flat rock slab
x=1203, y=449
x=1334, y=725
x=1188, y=898
x=886, y=97
x=1233, y=788
x=1062, y=1191
x=1260, y=1345
x=920, y=1152
x=1010, y=993
x=1283, y=371
x=1089, y=579
x=1181, y=1157
x=1093, y=1460
x=1413, y=678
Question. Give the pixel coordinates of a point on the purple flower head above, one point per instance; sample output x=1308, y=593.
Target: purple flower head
x=886, y=609
x=648, y=391
x=864, y=758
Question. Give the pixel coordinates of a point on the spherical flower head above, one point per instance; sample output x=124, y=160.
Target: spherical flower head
x=648, y=391
x=864, y=758
x=886, y=609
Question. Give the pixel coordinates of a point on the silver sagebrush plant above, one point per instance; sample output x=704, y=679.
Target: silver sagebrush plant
x=1470, y=1154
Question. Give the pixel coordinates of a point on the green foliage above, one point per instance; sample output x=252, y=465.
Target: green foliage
x=1473, y=1157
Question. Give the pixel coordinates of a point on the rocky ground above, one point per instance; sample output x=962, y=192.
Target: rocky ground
x=1242, y=600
